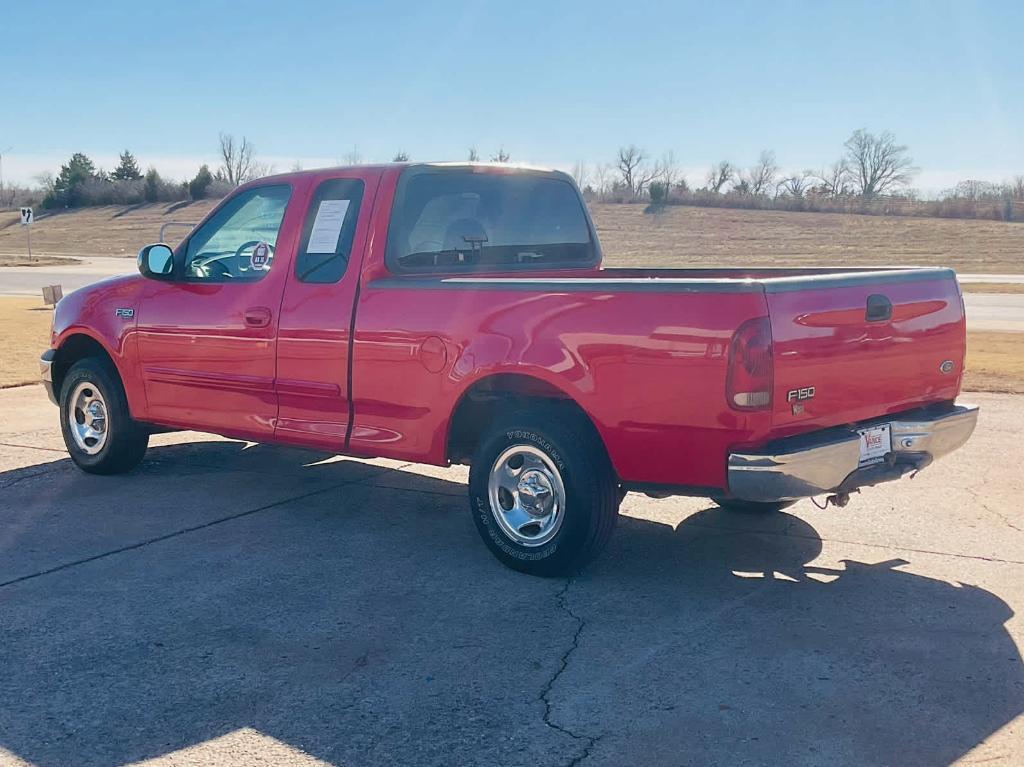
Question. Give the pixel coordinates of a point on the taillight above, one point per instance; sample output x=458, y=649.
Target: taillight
x=748, y=384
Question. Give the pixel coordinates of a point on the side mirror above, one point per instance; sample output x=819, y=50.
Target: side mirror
x=156, y=262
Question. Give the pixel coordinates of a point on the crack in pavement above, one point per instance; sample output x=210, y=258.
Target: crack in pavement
x=191, y=529
x=563, y=664
x=23, y=477
x=998, y=514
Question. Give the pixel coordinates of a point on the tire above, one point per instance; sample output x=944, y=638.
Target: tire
x=752, y=507
x=554, y=463
x=104, y=438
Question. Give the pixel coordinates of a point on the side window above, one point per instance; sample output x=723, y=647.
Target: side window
x=329, y=230
x=456, y=220
x=237, y=244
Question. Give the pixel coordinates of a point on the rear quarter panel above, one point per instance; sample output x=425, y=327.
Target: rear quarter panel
x=647, y=366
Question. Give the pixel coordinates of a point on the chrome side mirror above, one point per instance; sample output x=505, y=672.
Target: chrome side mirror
x=156, y=262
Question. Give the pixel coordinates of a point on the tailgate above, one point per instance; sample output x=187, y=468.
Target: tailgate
x=853, y=346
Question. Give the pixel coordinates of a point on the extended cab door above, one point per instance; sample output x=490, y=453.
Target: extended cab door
x=207, y=339
x=314, y=336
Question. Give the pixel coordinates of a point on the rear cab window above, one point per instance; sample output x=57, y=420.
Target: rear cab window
x=470, y=220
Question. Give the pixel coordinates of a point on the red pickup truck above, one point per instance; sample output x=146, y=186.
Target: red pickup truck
x=454, y=313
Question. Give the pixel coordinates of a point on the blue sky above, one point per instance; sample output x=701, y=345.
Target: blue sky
x=553, y=82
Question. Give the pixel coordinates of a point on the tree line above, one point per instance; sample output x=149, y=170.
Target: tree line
x=873, y=174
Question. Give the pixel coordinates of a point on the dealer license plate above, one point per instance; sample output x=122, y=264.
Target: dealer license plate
x=875, y=442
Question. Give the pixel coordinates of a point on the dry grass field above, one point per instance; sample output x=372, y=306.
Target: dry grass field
x=25, y=323
x=109, y=230
x=679, y=236
x=682, y=236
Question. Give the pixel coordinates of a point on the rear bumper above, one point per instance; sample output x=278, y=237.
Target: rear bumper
x=828, y=461
x=46, y=373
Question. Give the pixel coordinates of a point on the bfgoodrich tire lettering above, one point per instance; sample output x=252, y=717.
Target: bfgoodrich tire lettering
x=568, y=467
x=123, y=441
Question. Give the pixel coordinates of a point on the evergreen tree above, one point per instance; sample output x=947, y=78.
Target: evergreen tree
x=197, y=186
x=151, y=191
x=67, y=187
x=128, y=169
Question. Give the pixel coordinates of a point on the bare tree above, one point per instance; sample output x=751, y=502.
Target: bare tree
x=501, y=156
x=636, y=173
x=833, y=181
x=878, y=164
x=602, y=174
x=355, y=157
x=581, y=174
x=761, y=177
x=631, y=158
x=400, y=156
x=720, y=174
x=795, y=185
x=474, y=156
x=1016, y=188
x=669, y=172
x=238, y=160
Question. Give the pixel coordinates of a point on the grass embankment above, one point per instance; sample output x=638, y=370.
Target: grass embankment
x=25, y=327
x=680, y=236
x=995, y=361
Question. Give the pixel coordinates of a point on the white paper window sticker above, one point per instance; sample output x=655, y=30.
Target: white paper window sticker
x=330, y=217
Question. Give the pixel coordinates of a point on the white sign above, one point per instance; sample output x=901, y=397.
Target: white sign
x=330, y=217
x=26, y=216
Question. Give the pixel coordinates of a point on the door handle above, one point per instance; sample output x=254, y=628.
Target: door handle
x=257, y=317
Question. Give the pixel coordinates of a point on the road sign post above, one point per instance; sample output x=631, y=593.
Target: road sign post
x=26, y=221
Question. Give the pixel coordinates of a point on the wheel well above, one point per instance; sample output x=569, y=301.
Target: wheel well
x=492, y=396
x=75, y=348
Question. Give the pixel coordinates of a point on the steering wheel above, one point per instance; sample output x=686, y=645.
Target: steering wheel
x=252, y=244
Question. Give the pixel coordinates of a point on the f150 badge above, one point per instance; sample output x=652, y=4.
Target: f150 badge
x=796, y=397
x=124, y=313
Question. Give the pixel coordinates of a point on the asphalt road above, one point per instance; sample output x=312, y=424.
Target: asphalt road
x=231, y=604
x=985, y=311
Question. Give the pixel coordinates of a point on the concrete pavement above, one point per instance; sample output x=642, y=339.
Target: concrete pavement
x=240, y=604
x=29, y=280
x=995, y=311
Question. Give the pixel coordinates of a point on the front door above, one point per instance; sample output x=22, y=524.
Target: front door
x=207, y=339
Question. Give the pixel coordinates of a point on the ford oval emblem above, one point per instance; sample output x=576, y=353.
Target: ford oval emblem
x=947, y=367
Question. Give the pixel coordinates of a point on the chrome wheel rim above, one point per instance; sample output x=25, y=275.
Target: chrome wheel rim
x=87, y=418
x=527, y=496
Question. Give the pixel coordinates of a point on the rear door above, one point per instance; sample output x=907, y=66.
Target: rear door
x=314, y=335
x=848, y=348
x=207, y=340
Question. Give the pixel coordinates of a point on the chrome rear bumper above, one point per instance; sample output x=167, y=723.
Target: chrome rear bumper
x=828, y=461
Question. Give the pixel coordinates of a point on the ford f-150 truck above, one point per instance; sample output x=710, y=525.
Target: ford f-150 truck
x=460, y=313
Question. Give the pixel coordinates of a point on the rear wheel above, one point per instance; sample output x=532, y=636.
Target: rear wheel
x=99, y=433
x=542, y=493
x=752, y=507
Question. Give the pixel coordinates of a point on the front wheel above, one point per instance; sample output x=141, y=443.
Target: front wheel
x=99, y=432
x=542, y=492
